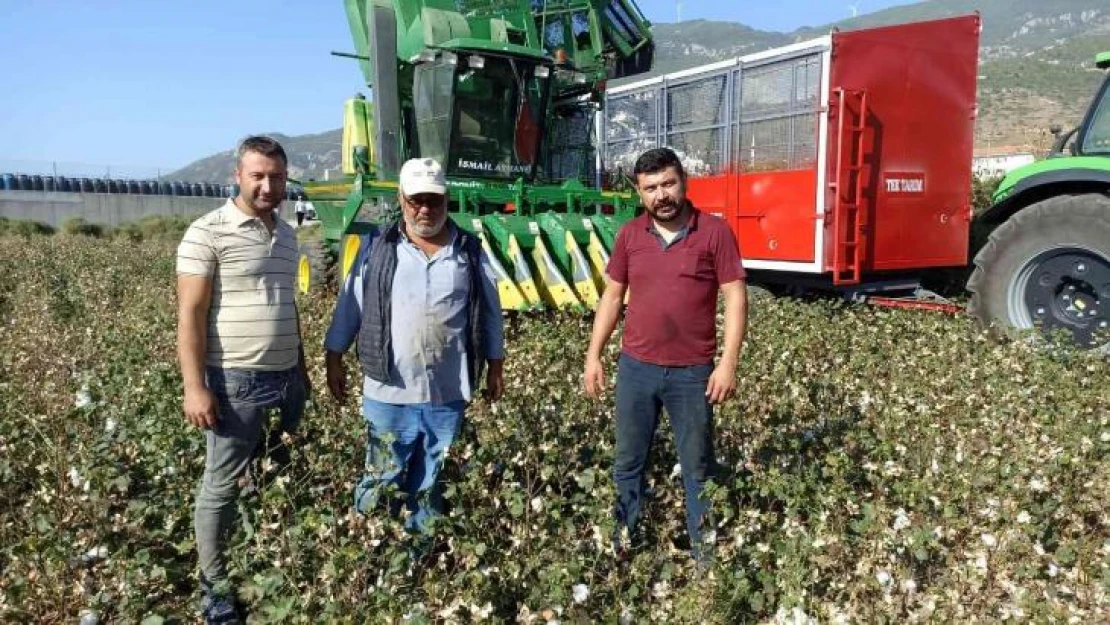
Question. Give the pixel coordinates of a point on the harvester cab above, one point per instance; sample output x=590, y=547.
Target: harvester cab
x=504, y=94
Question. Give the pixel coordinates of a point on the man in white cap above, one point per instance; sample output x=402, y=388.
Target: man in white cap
x=422, y=302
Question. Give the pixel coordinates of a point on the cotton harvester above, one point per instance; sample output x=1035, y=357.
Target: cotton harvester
x=504, y=93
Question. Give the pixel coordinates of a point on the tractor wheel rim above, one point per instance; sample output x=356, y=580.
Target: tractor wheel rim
x=304, y=274
x=1066, y=288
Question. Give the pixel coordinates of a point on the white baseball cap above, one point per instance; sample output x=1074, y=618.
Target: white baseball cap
x=423, y=175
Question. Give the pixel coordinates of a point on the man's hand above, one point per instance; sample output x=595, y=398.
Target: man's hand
x=595, y=377
x=337, y=376
x=201, y=408
x=495, y=379
x=722, y=383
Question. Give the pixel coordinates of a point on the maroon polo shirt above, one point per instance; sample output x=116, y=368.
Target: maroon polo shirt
x=672, y=299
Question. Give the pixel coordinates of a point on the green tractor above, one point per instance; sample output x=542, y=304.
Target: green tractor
x=504, y=94
x=1046, y=264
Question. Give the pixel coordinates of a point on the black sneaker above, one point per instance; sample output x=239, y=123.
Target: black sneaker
x=219, y=610
x=218, y=607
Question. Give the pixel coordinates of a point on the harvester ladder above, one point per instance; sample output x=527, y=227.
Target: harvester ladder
x=849, y=214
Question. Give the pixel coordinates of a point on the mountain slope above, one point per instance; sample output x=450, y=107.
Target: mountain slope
x=309, y=156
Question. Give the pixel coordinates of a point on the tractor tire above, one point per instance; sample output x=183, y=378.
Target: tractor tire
x=315, y=267
x=1048, y=267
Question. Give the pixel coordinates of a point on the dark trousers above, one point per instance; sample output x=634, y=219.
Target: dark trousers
x=245, y=399
x=642, y=390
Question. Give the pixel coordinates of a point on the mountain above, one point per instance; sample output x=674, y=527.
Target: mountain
x=1036, y=68
x=309, y=156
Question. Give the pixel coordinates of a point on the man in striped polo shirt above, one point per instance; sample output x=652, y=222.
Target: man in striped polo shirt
x=239, y=344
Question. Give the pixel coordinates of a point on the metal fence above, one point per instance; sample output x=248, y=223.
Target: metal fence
x=742, y=116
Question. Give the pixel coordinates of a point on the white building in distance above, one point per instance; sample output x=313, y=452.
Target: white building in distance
x=998, y=161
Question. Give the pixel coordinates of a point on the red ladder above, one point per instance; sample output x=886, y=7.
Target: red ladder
x=849, y=214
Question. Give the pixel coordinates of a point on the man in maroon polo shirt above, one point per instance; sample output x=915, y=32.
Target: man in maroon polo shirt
x=672, y=260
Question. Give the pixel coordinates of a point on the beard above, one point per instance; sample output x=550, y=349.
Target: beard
x=666, y=211
x=426, y=230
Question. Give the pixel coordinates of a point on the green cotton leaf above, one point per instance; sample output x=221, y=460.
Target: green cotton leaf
x=280, y=609
x=153, y=619
x=121, y=483
x=757, y=601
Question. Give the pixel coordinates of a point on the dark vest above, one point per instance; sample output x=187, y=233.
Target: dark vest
x=375, y=341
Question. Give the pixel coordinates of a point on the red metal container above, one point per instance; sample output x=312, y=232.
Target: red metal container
x=842, y=157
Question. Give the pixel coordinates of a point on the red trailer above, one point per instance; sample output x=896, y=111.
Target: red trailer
x=843, y=161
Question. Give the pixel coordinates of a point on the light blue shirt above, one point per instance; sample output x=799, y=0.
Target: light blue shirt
x=428, y=323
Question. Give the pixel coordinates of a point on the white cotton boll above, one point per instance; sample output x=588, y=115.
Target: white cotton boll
x=95, y=554
x=88, y=617
x=883, y=577
x=1023, y=517
x=110, y=425
x=989, y=540
x=83, y=397
x=901, y=520
x=75, y=477
x=537, y=504
x=481, y=612
x=676, y=471
x=581, y=593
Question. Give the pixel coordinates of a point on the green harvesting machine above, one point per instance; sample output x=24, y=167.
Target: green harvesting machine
x=503, y=93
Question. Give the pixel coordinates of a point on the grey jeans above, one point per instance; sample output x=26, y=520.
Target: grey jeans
x=246, y=399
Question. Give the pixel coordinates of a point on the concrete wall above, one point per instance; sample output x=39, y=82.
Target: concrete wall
x=98, y=208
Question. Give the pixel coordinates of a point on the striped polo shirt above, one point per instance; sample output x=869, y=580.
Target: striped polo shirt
x=252, y=321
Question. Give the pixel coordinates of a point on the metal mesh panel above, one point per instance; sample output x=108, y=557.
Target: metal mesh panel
x=698, y=103
x=631, y=116
x=622, y=155
x=765, y=145
x=805, y=141
x=736, y=84
x=770, y=117
x=767, y=90
x=702, y=151
x=778, y=115
x=807, y=82
x=631, y=127
x=570, y=148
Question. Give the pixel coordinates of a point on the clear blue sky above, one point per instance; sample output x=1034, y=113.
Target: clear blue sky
x=146, y=84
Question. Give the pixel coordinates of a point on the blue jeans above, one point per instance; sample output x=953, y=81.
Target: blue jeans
x=245, y=399
x=406, y=446
x=642, y=390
